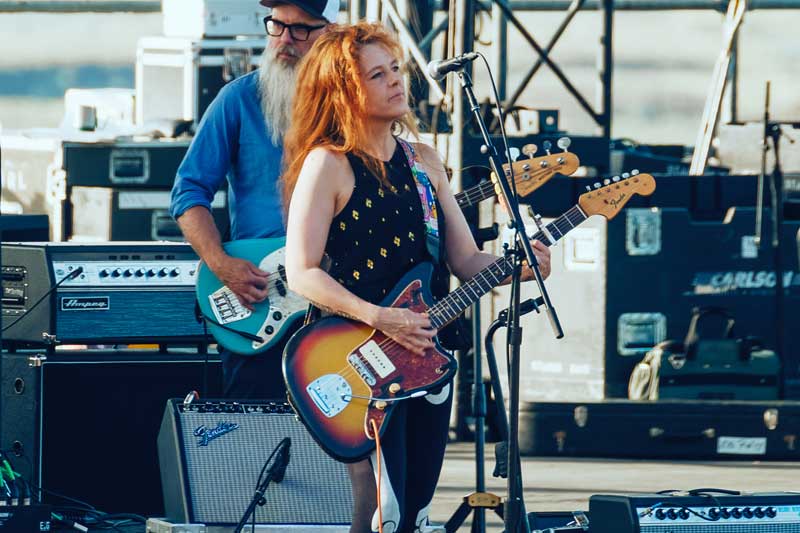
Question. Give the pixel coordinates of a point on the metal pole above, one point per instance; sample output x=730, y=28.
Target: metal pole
x=606, y=68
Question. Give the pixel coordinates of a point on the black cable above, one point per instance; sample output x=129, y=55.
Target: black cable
x=502, y=124
x=88, y=507
x=280, y=446
x=244, y=334
x=696, y=492
x=205, y=362
x=74, y=274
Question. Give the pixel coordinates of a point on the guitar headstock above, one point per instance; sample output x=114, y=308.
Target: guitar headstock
x=532, y=173
x=610, y=197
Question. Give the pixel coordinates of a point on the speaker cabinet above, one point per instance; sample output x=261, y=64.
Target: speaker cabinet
x=85, y=423
x=211, y=455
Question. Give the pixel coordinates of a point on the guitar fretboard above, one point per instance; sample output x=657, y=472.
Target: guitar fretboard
x=449, y=307
x=560, y=226
x=475, y=194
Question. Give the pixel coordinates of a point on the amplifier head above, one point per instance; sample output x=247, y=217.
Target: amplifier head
x=699, y=512
x=121, y=292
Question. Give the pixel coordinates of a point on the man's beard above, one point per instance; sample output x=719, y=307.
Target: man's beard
x=276, y=82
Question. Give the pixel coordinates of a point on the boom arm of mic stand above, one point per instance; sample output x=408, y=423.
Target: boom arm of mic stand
x=511, y=202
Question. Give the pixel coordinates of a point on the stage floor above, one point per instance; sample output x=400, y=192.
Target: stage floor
x=556, y=484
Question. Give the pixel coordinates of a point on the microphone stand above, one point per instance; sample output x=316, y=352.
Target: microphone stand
x=772, y=131
x=274, y=473
x=523, y=250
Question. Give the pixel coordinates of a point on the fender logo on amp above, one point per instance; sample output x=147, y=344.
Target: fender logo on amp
x=85, y=303
x=207, y=435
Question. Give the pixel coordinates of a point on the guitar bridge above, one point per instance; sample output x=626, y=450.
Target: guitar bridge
x=226, y=306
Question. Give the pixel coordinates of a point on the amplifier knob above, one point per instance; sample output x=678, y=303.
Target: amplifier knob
x=162, y=272
x=139, y=272
x=725, y=513
x=684, y=514
x=127, y=273
x=759, y=512
x=671, y=514
x=713, y=513
x=771, y=512
x=117, y=272
x=736, y=512
x=747, y=512
x=151, y=272
x=660, y=514
x=175, y=272
x=104, y=273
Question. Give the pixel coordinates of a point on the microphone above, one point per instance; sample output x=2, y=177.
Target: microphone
x=282, y=461
x=441, y=67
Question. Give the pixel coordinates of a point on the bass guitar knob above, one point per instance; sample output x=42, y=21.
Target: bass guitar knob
x=394, y=388
x=381, y=405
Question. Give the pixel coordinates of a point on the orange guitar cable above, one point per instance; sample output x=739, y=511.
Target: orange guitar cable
x=378, y=491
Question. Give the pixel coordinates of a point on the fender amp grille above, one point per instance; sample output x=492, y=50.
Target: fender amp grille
x=706, y=512
x=211, y=454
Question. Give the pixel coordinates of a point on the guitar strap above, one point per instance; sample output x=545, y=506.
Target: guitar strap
x=427, y=196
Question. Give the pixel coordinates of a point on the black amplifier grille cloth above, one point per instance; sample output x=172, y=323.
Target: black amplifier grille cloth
x=315, y=489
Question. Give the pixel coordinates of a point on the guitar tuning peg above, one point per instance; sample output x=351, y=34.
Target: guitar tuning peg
x=529, y=150
x=597, y=185
x=615, y=179
x=606, y=181
x=564, y=143
x=634, y=172
x=625, y=175
x=514, y=153
x=547, y=145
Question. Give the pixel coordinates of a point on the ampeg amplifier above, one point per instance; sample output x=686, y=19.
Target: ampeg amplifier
x=109, y=293
x=699, y=512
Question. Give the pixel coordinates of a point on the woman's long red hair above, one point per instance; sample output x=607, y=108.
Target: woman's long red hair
x=329, y=103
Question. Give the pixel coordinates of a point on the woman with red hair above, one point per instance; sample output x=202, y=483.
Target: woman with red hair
x=377, y=205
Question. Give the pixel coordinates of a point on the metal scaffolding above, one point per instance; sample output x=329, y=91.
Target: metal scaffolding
x=418, y=38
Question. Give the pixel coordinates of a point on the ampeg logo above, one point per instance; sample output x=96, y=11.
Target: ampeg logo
x=85, y=303
x=207, y=435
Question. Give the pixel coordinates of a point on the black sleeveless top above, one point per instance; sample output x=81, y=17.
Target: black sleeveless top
x=380, y=233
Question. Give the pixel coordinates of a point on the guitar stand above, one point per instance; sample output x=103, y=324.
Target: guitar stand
x=479, y=502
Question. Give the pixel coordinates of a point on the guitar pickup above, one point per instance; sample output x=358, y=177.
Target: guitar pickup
x=281, y=288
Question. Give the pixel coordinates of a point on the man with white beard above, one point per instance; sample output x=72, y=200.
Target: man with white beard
x=240, y=138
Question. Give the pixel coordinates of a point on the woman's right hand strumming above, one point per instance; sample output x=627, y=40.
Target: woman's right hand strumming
x=410, y=329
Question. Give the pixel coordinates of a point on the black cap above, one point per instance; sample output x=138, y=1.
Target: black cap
x=321, y=9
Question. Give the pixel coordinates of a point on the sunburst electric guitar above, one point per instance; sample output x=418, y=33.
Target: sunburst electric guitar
x=342, y=374
x=249, y=332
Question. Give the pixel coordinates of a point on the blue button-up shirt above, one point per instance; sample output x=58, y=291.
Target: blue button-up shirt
x=233, y=141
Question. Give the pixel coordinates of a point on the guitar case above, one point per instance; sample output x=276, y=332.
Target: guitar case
x=665, y=429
